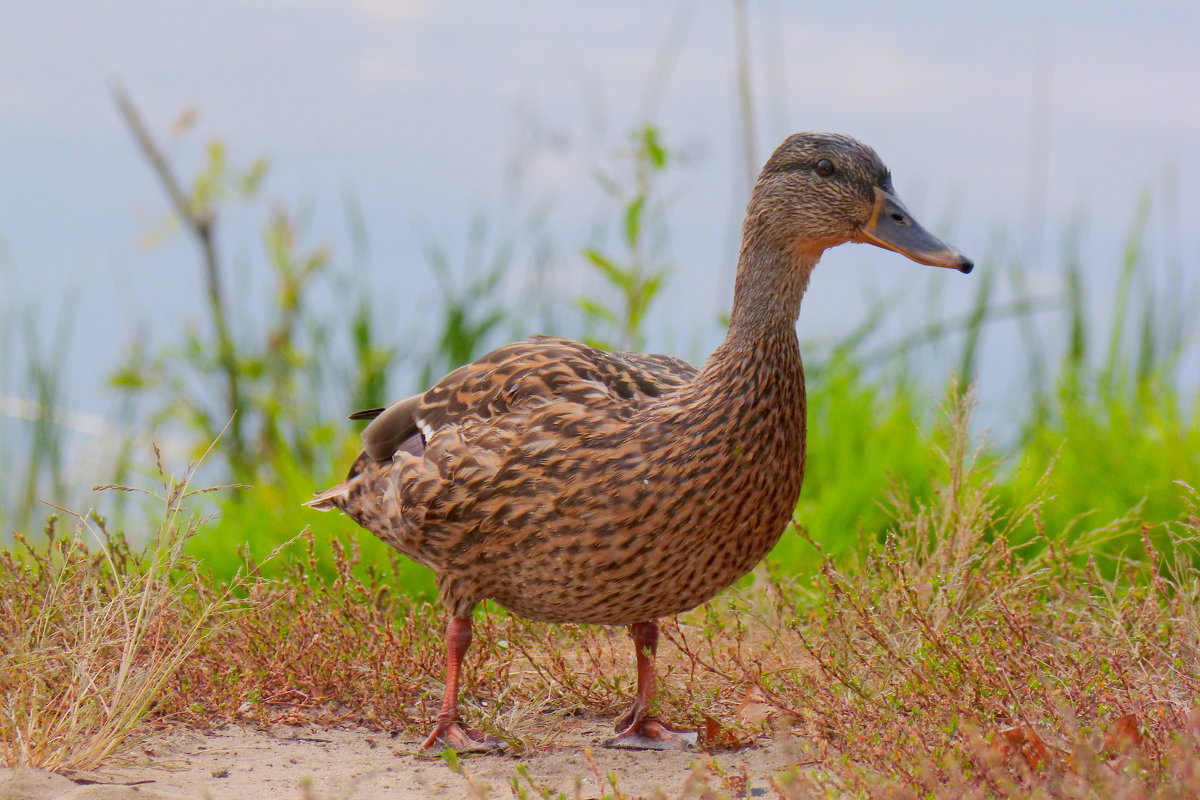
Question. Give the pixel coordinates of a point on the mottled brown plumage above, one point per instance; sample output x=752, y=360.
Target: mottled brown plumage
x=570, y=484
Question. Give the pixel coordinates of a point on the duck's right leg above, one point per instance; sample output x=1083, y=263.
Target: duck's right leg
x=449, y=731
x=637, y=730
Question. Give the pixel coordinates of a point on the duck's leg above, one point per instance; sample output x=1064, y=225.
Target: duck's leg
x=636, y=730
x=449, y=731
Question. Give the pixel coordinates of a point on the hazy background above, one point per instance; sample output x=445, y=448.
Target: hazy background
x=1004, y=125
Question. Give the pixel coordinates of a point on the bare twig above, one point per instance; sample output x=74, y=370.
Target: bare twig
x=201, y=221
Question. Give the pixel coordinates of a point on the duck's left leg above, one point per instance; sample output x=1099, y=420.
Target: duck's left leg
x=449, y=730
x=636, y=730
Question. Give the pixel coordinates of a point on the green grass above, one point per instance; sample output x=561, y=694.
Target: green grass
x=252, y=522
x=1114, y=453
x=865, y=438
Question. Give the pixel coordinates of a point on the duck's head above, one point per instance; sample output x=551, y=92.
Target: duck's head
x=820, y=190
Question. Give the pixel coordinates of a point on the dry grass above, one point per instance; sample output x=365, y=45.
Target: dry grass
x=93, y=632
x=942, y=662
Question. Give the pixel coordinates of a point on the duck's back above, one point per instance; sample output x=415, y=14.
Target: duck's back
x=545, y=369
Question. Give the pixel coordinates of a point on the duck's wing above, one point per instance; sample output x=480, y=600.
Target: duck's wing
x=392, y=429
x=474, y=441
x=535, y=372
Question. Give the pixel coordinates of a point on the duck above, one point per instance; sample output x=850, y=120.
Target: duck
x=572, y=484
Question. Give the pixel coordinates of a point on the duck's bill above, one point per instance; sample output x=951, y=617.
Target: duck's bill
x=893, y=228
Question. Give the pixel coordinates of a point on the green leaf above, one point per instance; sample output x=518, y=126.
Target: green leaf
x=251, y=179
x=595, y=310
x=652, y=149
x=450, y=756
x=633, y=220
x=614, y=274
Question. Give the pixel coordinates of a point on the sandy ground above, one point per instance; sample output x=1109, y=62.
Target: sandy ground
x=238, y=763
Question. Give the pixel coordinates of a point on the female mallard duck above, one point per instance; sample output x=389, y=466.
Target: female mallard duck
x=569, y=484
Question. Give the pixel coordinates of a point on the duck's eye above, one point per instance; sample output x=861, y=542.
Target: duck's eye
x=824, y=167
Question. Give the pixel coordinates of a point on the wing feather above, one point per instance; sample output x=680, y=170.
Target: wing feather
x=546, y=369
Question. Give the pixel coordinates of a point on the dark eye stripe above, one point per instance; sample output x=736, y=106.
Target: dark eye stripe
x=801, y=166
x=794, y=166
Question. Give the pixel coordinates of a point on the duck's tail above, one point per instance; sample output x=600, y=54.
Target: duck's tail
x=339, y=496
x=330, y=499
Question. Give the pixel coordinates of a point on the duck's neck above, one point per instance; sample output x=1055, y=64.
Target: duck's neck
x=771, y=278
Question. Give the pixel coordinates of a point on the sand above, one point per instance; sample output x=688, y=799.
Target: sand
x=241, y=763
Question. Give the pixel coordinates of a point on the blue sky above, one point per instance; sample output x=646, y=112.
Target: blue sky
x=415, y=106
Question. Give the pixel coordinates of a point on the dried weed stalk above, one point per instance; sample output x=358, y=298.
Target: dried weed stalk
x=94, y=631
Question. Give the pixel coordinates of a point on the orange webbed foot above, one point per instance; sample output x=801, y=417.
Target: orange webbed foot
x=454, y=735
x=650, y=733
